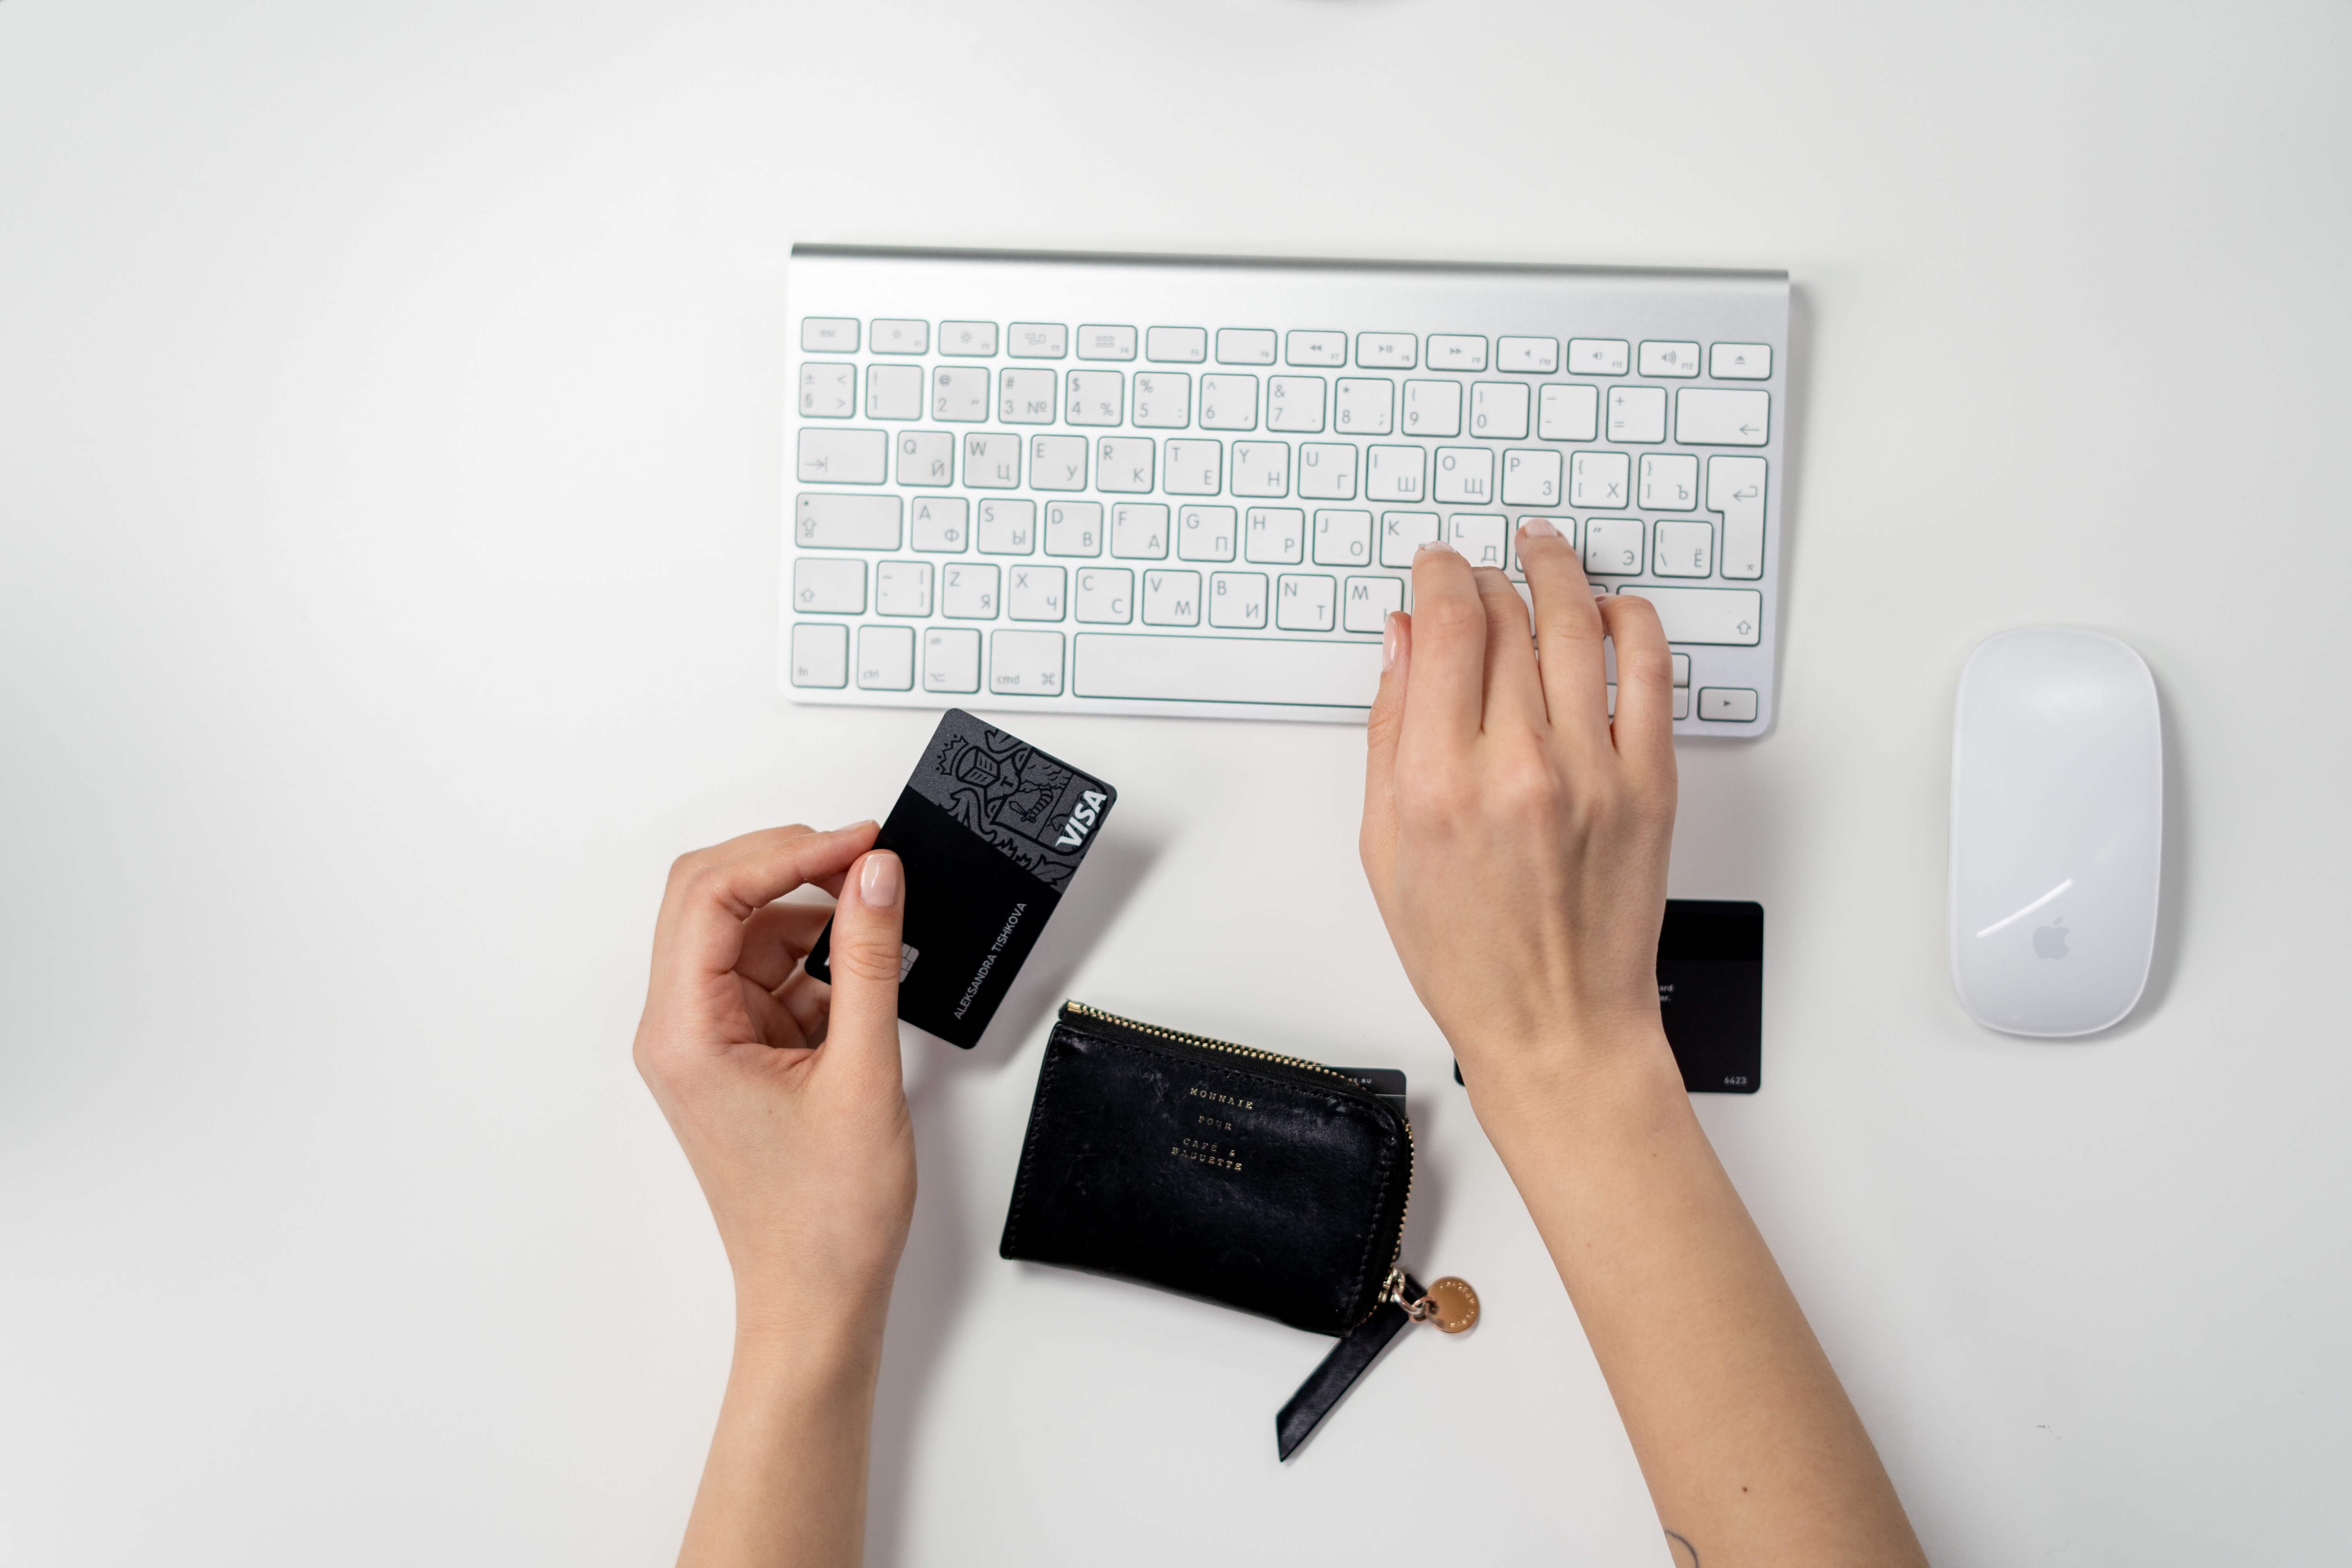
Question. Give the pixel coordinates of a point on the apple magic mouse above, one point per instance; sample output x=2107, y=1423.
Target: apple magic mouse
x=2057, y=831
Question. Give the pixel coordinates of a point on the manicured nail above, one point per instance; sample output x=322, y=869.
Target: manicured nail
x=1538, y=528
x=854, y=827
x=1388, y=641
x=1429, y=545
x=878, y=884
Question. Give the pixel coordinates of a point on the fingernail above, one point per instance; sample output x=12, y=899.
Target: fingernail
x=854, y=827
x=1444, y=544
x=1388, y=641
x=1538, y=528
x=878, y=884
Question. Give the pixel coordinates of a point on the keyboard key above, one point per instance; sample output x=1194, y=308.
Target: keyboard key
x=1670, y=483
x=886, y=658
x=846, y=522
x=1531, y=477
x=1176, y=345
x=1466, y=476
x=1726, y=704
x=1205, y=533
x=1403, y=533
x=1637, y=414
x=1237, y=599
x=968, y=591
x=1304, y=603
x=1720, y=416
x=1599, y=480
x=1244, y=345
x=1274, y=535
x=1735, y=487
x=1366, y=602
x=1341, y=539
x=1037, y=340
x=893, y=335
x=828, y=391
x=1387, y=351
x=1613, y=546
x=1007, y=527
x=1681, y=670
x=829, y=586
x=1540, y=355
x=1254, y=670
x=845, y=457
x=1097, y=397
x=1483, y=538
x=1741, y=362
x=1392, y=473
x=820, y=655
x=1683, y=548
x=1034, y=592
x=1058, y=462
x=894, y=391
x=1171, y=598
x=1025, y=396
x=1316, y=347
x=1194, y=467
x=1163, y=399
x=1105, y=595
x=1365, y=405
x=1229, y=403
x=950, y=660
x=1498, y=410
x=1597, y=356
x=940, y=523
x=902, y=588
x=977, y=339
x=959, y=392
x=1448, y=351
x=1025, y=664
x=1432, y=408
x=829, y=335
x=1669, y=359
x=1138, y=531
x=1106, y=342
x=1326, y=470
x=1731, y=617
x=1294, y=403
x=1569, y=413
x=1260, y=468
x=1074, y=527
x=991, y=462
x=925, y=456
x=1123, y=464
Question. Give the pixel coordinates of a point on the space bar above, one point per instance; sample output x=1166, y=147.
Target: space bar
x=1268, y=670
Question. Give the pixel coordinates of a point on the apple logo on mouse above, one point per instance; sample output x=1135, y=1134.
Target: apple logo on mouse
x=2050, y=941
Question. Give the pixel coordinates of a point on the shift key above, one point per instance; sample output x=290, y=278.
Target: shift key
x=1727, y=616
x=849, y=523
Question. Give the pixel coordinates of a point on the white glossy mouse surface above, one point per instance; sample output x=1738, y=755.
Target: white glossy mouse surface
x=2057, y=831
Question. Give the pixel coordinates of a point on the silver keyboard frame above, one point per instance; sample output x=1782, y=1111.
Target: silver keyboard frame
x=1421, y=297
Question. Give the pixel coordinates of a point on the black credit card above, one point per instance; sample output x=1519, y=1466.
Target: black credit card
x=1386, y=1083
x=990, y=830
x=1711, y=994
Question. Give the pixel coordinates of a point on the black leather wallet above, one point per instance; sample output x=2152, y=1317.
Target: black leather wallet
x=1261, y=1182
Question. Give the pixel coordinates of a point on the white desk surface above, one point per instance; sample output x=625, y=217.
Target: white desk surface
x=389, y=450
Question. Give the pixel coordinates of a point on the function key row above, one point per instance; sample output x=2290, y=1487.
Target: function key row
x=1257, y=345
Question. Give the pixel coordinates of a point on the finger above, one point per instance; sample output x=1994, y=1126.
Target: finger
x=1645, y=729
x=1376, y=841
x=810, y=1002
x=867, y=931
x=1567, y=640
x=1513, y=691
x=713, y=892
x=776, y=939
x=1445, y=700
x=777, y=1025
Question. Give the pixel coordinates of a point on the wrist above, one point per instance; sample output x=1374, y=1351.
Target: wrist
x=1584, y=1084
x=811, y=1331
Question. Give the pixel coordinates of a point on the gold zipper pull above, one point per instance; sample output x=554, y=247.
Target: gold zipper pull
x=1450, y=1303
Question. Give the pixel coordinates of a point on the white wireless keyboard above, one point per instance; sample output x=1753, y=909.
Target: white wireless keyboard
x=1161, y=485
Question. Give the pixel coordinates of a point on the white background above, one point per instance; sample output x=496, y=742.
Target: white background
x=390, y=401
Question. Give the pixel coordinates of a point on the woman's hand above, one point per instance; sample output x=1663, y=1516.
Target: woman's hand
x=785, y=1092
x=1514, y=837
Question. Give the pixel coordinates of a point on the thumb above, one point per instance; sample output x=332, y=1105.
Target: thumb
x=1380, y=728
x=868, y=927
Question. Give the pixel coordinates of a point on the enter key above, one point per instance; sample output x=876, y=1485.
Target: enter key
x=1735, y=487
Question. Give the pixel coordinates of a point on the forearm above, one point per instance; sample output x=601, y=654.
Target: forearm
x=1749, y=1444
x=784, y=1486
